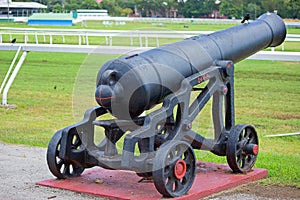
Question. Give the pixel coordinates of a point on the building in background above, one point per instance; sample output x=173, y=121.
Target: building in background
x=9, y=9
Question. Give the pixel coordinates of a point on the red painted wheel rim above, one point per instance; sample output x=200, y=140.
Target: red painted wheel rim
x=180, y=169
x=255, y=149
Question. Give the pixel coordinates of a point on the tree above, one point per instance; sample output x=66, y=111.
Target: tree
x=232, y=8
x=197, y=8
x=89, y=4
x=112, y=7
x=57, y=8
x=71, y=7
x=54, y=6
x=144, y=7
x=158, y=8
x=167, y=6
x=126, y=12
x=187, y=8
x=292, y=8
x=253, y=9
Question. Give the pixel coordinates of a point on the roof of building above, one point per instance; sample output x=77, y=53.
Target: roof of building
x=51, y=16
x=21, y=5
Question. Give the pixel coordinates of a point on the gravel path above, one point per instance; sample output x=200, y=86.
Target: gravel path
x=21, y=167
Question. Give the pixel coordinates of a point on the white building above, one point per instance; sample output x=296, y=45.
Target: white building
x=19, y=9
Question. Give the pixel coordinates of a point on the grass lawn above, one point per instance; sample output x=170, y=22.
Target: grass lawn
x=177, y=26
x=267, y=96
x=184, y=26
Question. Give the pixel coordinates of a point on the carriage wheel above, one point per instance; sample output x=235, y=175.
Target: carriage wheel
x=174, y=168
x=242, y=148
x=59, y=167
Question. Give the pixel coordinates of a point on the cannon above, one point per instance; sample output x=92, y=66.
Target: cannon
x=153, y=99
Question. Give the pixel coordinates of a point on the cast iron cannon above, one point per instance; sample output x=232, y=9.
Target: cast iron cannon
x=161, y=143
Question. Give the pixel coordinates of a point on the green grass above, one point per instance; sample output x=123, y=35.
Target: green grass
x=41, y=108
x=98, y=25
x=288, y=46
x=176, y=26
x=293, y=30
x=266, y=95
x=132, y=26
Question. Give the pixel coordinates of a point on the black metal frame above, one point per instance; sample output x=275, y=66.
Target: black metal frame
x=156, y=128
x=168, y=128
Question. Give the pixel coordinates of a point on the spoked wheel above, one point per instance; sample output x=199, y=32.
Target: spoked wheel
x=242, y=148
x=174, y=168
x=59, y=167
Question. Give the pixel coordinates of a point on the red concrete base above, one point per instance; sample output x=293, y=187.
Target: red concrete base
x=116, y=184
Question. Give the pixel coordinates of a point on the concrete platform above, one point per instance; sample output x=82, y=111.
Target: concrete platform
x=116, y=184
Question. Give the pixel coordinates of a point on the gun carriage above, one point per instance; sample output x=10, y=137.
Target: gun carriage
x=165, y=138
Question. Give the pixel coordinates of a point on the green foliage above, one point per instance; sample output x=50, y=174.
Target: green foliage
x=237, y=8
x=231, y=8
x=89, y=4
x=126, y=12
x=155, y=8
x=189, y=8
x=69, y=5
x=43, y=94
x=57, y=8
x=112, y=7
x=196, y=8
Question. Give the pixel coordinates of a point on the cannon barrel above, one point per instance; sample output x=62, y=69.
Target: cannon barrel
x=129, y=85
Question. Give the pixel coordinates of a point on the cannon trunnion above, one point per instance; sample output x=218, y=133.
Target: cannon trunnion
x=160, y=145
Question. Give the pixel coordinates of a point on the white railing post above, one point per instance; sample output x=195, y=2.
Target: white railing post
x=110, y=40
x=79, y=39
x=141, y=40
x=36, y=38
x=9, y=69
x=146, y=41
x=50, y=36
x=12, y=78
x=86, y=39
x=131, y=41
x=25, y=38
x=106, y=40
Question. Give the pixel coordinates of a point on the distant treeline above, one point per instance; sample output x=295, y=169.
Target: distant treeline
x=180, y=8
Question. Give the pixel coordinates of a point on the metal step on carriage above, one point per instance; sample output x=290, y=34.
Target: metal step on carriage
x=160, y=145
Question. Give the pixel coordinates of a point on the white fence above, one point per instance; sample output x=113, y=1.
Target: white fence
x=122, y=50
x=83, y=35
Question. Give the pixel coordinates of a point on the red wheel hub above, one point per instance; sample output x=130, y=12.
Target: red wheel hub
x=255, y=149
x=180, y=169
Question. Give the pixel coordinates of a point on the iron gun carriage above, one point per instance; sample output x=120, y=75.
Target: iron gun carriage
x=161, y=143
